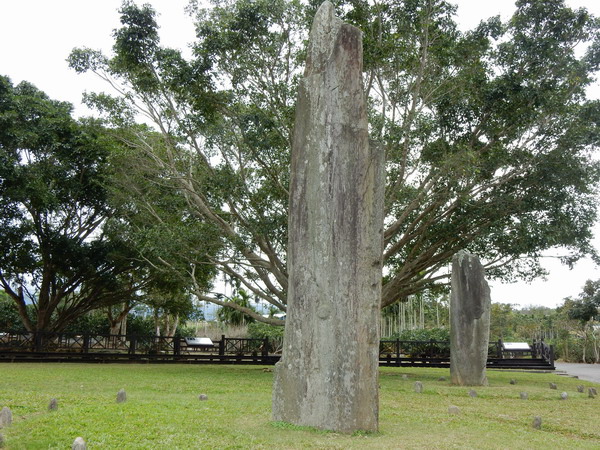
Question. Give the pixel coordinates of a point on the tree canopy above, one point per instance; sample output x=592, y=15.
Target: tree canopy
x=488, y=134
x=57, y=257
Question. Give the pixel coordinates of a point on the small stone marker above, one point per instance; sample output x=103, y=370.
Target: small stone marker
x=524, y=395
x=121, y=396
x=442, y=379
x=79, y=444
x=564, y=396
x=553, y=386
x=472, y=393
x=202, y=397
x=580, y=388
x=454, y=410
x=513, y=381
x=53, y=405
x=405, y=377
x=591, y=392
x=5, y=417
x=418, y=387
x=537, y=422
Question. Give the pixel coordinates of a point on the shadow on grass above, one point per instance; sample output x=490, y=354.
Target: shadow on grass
x=290, y=426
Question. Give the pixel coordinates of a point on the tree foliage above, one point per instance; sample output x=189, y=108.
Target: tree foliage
x=56, y=253
x=488, y=134
x=233, y=316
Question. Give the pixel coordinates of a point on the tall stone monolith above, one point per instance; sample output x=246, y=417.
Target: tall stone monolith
x=328, y=373
x=469, y=321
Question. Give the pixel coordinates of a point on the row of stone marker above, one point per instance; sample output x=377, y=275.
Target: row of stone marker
x=524, y=396
x=79, y=443
x=537, y=420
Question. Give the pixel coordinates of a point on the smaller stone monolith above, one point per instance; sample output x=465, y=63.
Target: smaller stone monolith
x=121, y=396
x=552, y=385
x=524, y=395
x=580, y=388
x=591, y=392
x=513, y=381
x=53, y=405
x=470, y=305
x=537, y=422
x=5, y=417
x=472, y=393
x=564, y=396
x=79, y=444
x=203, y=397
x=418, y=387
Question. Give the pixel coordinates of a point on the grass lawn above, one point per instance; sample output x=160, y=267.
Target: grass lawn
x=162, y=410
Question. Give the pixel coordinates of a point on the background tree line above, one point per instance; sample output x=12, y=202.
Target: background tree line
x=573, y=327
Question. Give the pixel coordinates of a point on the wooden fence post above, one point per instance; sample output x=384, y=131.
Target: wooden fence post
x=222, y=345
x=132, y=342
x=37, y=338
x=86, y=343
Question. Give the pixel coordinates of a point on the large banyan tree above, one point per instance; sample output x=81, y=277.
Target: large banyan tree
x=488, y=134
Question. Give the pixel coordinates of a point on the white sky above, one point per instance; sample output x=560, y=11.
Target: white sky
x=36, y=36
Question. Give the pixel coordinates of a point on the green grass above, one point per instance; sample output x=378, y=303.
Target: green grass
x=163, y=411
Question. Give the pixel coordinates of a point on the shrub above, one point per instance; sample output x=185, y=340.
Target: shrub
x=274, y=334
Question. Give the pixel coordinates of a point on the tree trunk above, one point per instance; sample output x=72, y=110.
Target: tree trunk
x=328, y=373
x=171, y=328
x=119, y=327
x=118, y=324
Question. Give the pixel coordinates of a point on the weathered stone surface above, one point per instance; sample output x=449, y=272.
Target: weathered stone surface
x=455, y=410
x=470, y=321
x=552, y=386
x=53, y=405
x=121, y=396
x=513, y=381
x=405, y=377
x=472, y=393
x=79, y=444
x=524, y=395
x=418, y=387
x=580, y=388
x=5, y=417
x=328, y=374
x=537, y=422
x=564, y=396
x=442, y=379
x=202, y=397
x=592, y=392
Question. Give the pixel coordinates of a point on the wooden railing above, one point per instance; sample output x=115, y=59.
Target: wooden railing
x=542, y=350
x=107, y=347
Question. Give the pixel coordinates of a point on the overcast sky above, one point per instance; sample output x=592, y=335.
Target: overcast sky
x=36, y=36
